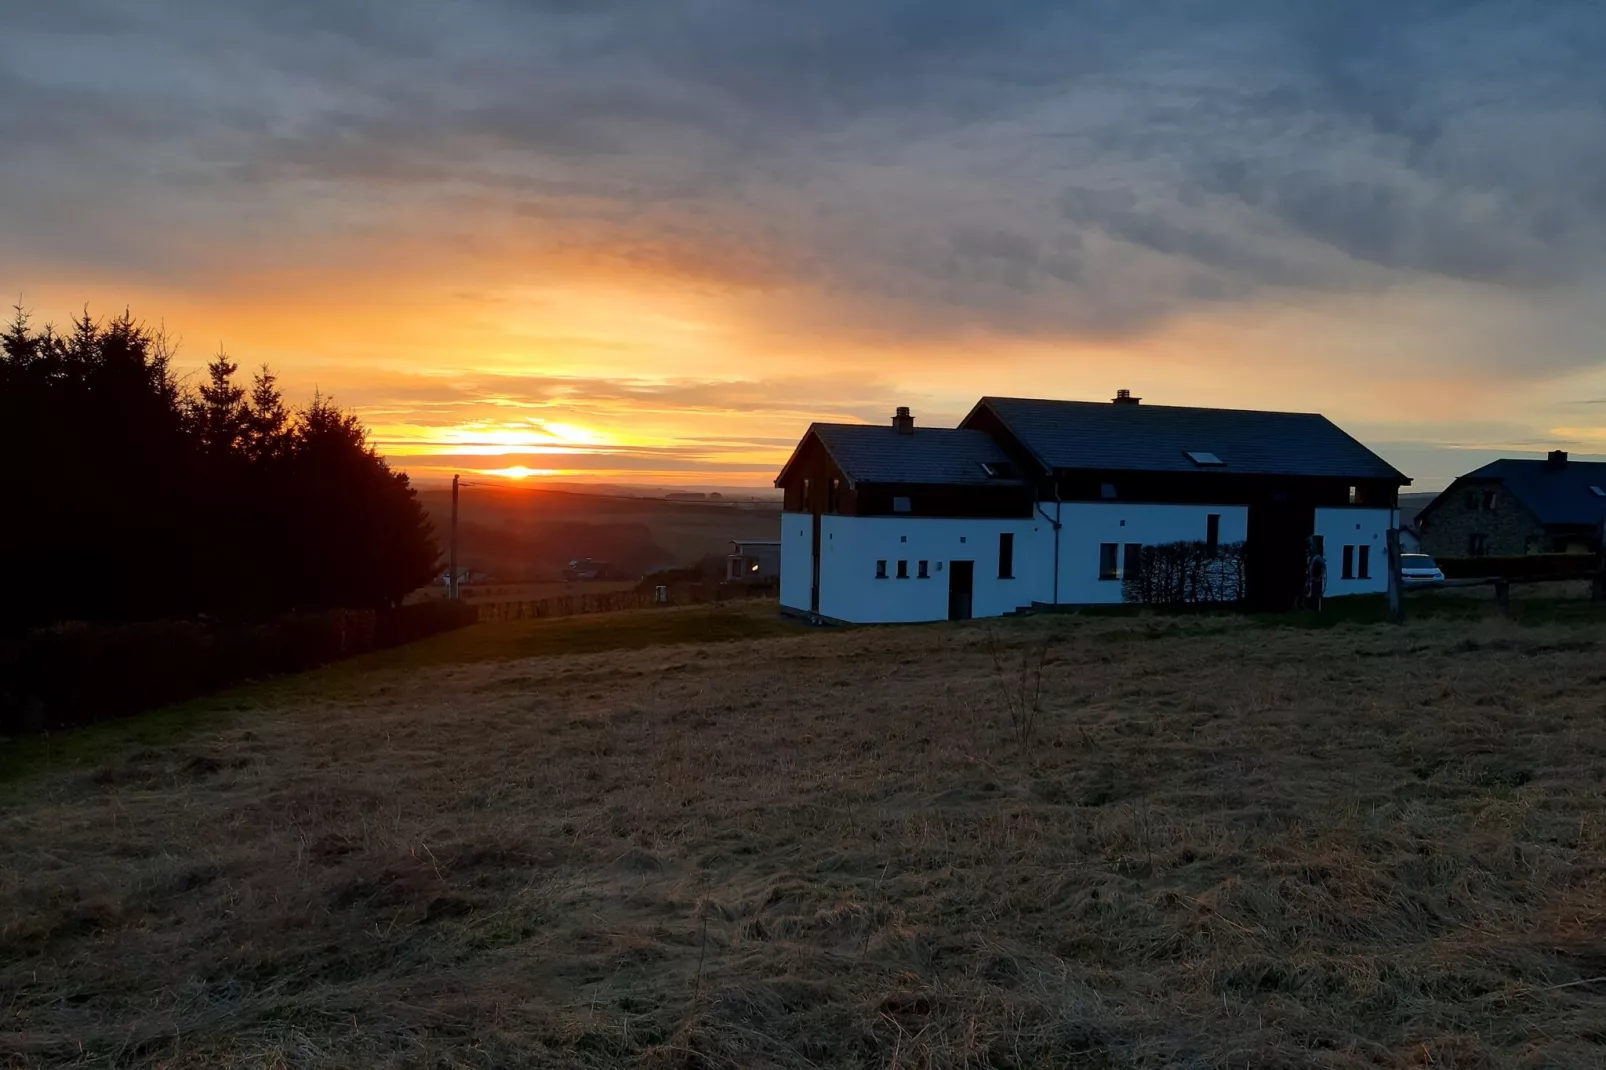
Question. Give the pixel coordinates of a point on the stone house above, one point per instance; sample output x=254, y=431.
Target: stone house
x=1511, y=507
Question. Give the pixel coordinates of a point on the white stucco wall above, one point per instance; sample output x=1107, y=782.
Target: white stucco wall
x=1087, y=525
x=797, y=560
x=1351, y=525
x=851, y=546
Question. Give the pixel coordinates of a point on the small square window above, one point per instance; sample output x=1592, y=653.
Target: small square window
x=1107, y=490
x=880, y=570
x=961, y=538
x=903, y=570
x=900, y=505
x=903, y=538
x=922, y=573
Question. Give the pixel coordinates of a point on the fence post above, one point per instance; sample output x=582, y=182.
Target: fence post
x=1396, y=593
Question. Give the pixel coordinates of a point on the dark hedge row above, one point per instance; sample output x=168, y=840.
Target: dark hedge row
x=75, y=674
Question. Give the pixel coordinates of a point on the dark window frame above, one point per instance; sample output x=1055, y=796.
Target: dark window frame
x=1006, y=555
x=880, y=570
x=923, y=571
x=1109, y=560
x=1363, y=562
x=1348, y=570
x=1212, y=533
x=903, y=570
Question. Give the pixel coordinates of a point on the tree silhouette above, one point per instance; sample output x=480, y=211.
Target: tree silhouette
x=144, y=499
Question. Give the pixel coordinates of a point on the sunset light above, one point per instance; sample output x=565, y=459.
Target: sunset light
x=518, y=472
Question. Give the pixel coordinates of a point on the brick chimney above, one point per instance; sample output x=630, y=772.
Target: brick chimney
x=1124, y=397
x=1557, y=459
x=902, y=422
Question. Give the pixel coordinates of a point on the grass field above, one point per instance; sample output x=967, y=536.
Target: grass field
x=1223, y=843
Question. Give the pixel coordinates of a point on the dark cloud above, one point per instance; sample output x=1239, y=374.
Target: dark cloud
x=904, y=166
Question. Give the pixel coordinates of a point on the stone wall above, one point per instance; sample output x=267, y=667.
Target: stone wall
x=1484, y=508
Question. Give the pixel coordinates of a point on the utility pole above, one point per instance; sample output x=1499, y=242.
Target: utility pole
x=451, y=576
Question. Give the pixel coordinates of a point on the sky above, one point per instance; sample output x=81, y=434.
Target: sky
x=648, y=241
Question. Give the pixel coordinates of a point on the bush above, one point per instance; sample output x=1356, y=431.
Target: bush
x=1187, y=573
x=75, y=674
x=1517, y=567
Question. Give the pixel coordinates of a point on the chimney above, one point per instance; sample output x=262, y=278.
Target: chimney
x=1557, y=459
x=902, y=422
x=1124, y=397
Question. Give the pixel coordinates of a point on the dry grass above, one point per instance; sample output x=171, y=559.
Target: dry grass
x=1227, y=846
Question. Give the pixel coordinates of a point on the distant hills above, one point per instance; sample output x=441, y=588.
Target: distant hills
x=530, y=533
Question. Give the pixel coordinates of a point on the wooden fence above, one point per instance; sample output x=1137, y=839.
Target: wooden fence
x=611, y=601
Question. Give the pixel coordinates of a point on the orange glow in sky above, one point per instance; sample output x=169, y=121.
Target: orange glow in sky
x=568, y=242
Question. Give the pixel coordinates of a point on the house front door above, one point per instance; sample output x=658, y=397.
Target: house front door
x=961, y=578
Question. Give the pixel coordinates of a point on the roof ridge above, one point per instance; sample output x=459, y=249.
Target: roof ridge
x=1147, y=405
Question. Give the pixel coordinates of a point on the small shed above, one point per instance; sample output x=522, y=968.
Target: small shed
x=754, y=561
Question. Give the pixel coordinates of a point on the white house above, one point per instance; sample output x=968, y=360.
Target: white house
x=1052, y=502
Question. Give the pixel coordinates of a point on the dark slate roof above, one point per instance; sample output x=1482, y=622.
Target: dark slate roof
x=873, y=453
x=1157, y=438
x=1554, y=495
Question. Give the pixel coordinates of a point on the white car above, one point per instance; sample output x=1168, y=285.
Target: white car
x=1418, y=569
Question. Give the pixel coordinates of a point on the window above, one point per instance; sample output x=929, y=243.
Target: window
x=1488, y=501
x=807, y=500
x=1212, y=532
x=922, y=573
x=903, y=538
x=1596, y=491
x=903, y=570
x=1349, y=563
x=833, y=495
x=1109, y=563
x=1363, y=562
x=1131, y=560
x=880, y=570
x=1006, y=555
x=900, y=505
x=1477, y=544
x=1354, y=495
x=1204, y=459
x=998, y=469
x=1106, y=490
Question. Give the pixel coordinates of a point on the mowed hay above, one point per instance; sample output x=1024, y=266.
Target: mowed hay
x=1226, y=845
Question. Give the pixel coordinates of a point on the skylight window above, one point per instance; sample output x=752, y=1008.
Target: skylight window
x=998, y=469
x=1203, y=459
x=1596, y=491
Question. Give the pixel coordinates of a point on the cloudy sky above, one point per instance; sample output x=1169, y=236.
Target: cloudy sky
x=650, y=240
